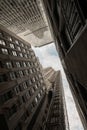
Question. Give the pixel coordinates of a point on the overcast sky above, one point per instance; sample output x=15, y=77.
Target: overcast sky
x=49, y=57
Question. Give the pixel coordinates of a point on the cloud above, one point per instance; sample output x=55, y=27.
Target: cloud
x=49, y=57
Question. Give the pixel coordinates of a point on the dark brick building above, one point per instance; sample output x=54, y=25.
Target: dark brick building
x=68, y=23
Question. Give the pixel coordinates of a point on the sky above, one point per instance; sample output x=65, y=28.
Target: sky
x=49, y=57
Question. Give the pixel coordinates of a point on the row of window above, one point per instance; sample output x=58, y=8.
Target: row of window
x=14, y=53
x=17, y=42
x=11, y=64
x=19, y=88
x=28, y=112
x=19, y=74
x=14, y=108
x=13, y=46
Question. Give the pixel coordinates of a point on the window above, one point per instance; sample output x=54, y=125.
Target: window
x=27, y=95
x=2, y=42
x=41, y=91
x=16, y=42
x=31, y=71
x=18, y=64
x=9, y=38
x=20, y=54
x=21, y=88
x=32, y=90
x=21, y=73
x=12, y=75
x=22, y=44
x=8, y=64
x=25, y=55
x=16, y=89
x=24, y=98
x=24, y=85
x=36, y=100
x=33, y=79
x=12, y=46
x=19, y=49
x=36, y=86
x=4, y=51
x=28, y=64
x=14, y=53
x=41, y=81
x=24, y=64
x=26, y=72
x=24, y=50
x=39, y=95
x=29, y=82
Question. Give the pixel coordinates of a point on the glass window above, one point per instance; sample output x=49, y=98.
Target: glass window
x=36, y=86
x=4, y=51
x=25, y=55
x=24, y=64
x=22, y=44
x=31, y=71
x=8, y=64
x=36, y=99
x=27, y=95
x=19, y=49
x=29, y=82
x=9, y=38
x=24, y=85
x=24, y=50
x=28, y=64
x=16, y=42
x=20, y=54
x=14, y=53
x=33, y=79
x=2, y=42
x=12, y=75
x=21, y=73
x=39, y=95
x=26, y=72
x=18, y=64
x=12, y=46
x=16, y=89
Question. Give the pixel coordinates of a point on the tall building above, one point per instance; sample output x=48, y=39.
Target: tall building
x=22, y=87
x=68, y=23
x=57, y=118
x=27, y=19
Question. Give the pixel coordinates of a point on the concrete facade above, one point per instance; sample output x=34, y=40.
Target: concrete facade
x=26, y=19
x=69, y=28
x=22, y=87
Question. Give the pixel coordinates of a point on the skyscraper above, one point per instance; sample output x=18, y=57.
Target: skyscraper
x=68, y=21
x=22, y=87
x=57, y=118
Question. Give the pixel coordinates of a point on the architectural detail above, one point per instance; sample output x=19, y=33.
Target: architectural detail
x=68, y=21
x=57, y=114
x=27, y=19
x=22, y=87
